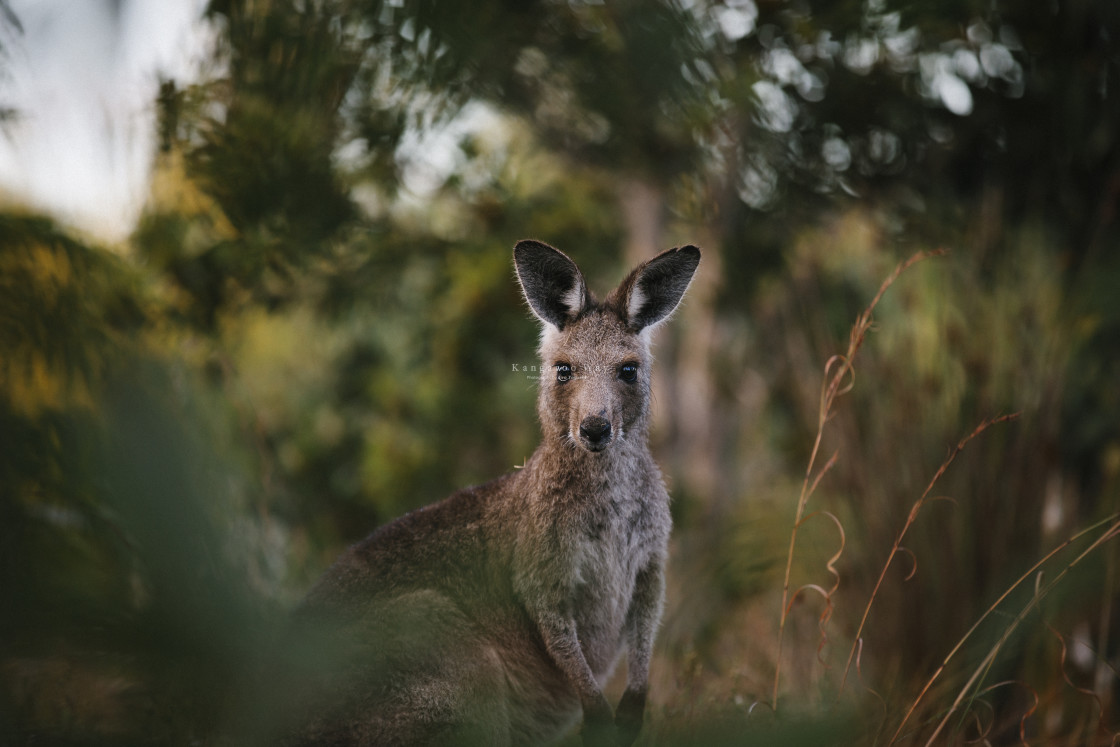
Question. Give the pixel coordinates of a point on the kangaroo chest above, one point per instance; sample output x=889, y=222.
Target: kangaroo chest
x=610, y=544
x=614, y=542
x=582, y=543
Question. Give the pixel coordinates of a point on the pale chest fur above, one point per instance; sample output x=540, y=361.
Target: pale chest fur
x=620, y=540
x=600, y=536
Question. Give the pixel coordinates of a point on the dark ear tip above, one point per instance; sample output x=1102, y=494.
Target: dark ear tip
x=689, y=251
x=685, y=257
x=530, y=245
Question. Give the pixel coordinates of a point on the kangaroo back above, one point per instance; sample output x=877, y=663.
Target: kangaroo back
x=495, y=616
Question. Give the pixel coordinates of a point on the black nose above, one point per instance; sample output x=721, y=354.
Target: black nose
x=595, y=430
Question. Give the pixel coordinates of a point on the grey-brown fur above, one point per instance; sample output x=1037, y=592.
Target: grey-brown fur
x=495, y=616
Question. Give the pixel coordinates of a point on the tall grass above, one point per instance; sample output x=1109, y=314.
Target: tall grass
x=897, y=547
x=984, y=686
x=911, y=579
x=838, y=369
x=1110, y=532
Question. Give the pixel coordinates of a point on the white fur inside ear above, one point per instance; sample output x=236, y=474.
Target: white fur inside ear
x=635, y=302
x=549, y=333
x=573, y=299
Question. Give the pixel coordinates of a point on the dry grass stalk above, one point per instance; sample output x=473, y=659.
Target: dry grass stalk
x=1110, y=533
x=839, y=378
x=1091, y=694
x=897, y=547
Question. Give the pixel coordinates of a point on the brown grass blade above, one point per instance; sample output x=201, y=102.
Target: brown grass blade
x=1110, y=533
x=991, y=609
x=914, y=510
x=1087, y=692
x=836, y=370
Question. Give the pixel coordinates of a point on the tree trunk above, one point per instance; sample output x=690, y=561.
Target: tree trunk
x=683, y=434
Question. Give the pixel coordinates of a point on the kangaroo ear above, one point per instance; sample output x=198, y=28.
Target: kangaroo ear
x=553, y=285
x=653, y=290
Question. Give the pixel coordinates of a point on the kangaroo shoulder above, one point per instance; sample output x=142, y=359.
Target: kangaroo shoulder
x=429, y=545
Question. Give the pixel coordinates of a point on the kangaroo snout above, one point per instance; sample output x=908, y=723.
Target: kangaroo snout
x=595, y=432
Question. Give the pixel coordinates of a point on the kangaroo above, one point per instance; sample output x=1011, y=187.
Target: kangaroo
x=495, y=616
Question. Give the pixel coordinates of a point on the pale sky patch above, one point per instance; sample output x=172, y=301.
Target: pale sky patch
x=83, y=83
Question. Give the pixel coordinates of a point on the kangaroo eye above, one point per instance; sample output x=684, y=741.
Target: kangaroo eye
x=563, y=372
x=628, y=372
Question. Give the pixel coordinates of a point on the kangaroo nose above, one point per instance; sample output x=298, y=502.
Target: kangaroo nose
x=595, y=430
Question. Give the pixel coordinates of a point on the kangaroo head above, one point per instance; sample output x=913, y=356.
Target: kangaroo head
x=596, y=354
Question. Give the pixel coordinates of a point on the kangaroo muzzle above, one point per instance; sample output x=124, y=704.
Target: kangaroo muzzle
x=595, y=432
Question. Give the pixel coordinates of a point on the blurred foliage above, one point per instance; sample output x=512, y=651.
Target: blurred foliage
x=315, y=327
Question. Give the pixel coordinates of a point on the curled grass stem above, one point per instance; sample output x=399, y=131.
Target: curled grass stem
x=839, y=378
x=898, y=547
x=1111, y=532
x=1085, y=691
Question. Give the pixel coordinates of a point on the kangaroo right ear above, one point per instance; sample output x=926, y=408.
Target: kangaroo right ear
x=553, y=285
x=653, y=290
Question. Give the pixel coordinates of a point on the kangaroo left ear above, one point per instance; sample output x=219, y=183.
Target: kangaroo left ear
x=553, y=285
x=649, y=295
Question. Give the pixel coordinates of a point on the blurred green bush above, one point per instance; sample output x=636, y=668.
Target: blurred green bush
x=314, y=328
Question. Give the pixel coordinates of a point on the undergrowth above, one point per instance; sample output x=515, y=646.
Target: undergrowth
x=980, y=689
